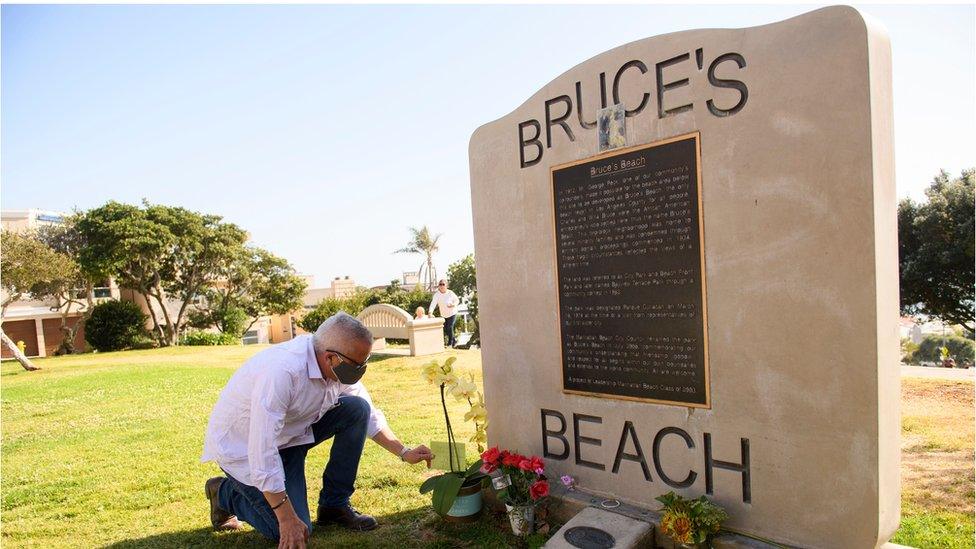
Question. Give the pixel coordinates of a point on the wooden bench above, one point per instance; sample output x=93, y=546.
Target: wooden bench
x=426, y=336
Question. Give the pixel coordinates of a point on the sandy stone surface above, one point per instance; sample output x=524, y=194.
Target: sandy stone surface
x=799, y=204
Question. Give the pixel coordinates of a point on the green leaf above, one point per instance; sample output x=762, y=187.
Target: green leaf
x=445, y=492
x=475, y=467
x=428, y=484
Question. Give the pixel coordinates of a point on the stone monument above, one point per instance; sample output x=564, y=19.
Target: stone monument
x=687, y=276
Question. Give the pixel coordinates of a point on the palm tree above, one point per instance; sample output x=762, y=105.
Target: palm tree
x=421, y=242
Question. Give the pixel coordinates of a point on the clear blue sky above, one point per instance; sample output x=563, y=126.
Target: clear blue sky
x=326, y=130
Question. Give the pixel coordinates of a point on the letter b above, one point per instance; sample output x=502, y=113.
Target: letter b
x=549, y=433
x=523, y=143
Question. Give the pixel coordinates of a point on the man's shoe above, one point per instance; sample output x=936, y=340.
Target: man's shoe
x=345, y=516
x=220, y=519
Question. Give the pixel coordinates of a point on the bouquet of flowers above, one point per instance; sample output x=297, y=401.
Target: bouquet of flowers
x=690, y=521
x=521, y=484
x=520, y=479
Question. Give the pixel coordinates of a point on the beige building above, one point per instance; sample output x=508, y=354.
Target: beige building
x=37, y=322
x=24, y=220
x=340, y=287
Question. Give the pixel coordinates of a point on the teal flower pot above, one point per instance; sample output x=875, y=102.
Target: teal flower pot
x=467, y=506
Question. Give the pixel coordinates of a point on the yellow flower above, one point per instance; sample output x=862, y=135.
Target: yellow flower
x=448, y=380
x=478, y=413
x=430, y=370
x=464, y=389
x=667, y=523
x=480, y=436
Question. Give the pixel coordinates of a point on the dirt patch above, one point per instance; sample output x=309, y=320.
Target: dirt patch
x=917, y=391
x=937, y=445
x=939, y=480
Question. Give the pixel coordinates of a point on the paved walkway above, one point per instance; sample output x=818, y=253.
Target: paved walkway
x=954, y=374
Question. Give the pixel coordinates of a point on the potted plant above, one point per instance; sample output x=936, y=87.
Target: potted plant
x=456, y=493
x=690, y=523
x=521, y=484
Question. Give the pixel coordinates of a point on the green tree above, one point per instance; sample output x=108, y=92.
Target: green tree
x=123, y=242
x=28, y=267
x=421, y=242
x=256, y=283
x=204, y=248
x=164, y=253
x=75, y=291
x=464, y=282
x=935, y=245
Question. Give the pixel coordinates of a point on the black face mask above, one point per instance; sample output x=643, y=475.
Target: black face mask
x=348, y=372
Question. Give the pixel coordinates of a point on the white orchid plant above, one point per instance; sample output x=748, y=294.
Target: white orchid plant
x=446, y=486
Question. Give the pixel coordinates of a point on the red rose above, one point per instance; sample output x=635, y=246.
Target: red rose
x=536, y=465
x=525, y=465
x=491, y=456
x=512, y=460
x=488, y=468
x=539, y=489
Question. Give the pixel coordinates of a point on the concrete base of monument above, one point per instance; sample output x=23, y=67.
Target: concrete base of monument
x=568, y=504
x=594, y=527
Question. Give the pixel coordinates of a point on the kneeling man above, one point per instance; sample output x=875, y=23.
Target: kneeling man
x=280, y=404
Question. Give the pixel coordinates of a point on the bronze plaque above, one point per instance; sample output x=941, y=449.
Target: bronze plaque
x=630, y=264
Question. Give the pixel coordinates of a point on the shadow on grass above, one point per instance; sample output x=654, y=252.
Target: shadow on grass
x=411, y=528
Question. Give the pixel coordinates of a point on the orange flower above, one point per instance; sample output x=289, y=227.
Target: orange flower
x=682, y=529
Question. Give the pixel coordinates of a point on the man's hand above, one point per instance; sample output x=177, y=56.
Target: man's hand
x=293, y=533
x=418, y=454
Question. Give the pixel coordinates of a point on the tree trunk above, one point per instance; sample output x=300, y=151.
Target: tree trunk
x=171, y=330
x=152, y=314
x=67, y=346
x=21, y=358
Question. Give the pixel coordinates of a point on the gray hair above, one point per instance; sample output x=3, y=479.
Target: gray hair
x=338, y=329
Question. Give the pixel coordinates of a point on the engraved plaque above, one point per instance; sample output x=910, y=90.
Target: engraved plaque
x=630, y=272
x=587, y=537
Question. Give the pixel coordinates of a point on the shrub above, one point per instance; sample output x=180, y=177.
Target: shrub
x=354, y=304
x=115, y=325
x=199, y=337
x=229, y=320
x=908, y=350
x=960, y=348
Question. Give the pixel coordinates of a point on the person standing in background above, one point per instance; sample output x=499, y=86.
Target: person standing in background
x=447, y=301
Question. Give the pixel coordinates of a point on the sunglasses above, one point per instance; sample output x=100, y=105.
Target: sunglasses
x=350, y=361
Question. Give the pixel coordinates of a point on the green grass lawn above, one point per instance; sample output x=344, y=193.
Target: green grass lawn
x=103, y=450
x=937, y=464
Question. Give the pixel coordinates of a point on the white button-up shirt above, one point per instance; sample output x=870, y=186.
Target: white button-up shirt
x=269, y=403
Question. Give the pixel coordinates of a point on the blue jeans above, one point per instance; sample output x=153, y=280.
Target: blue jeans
x=449, y=330
x=347, y=423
